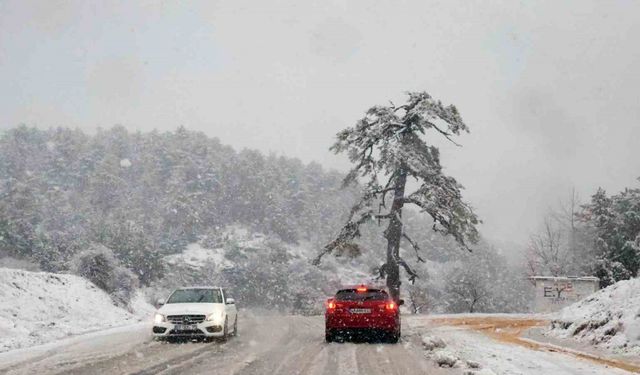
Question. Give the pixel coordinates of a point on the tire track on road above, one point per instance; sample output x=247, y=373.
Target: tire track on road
x=180, y=361
x=293, y=347
x=331, y=364
x=373, y=359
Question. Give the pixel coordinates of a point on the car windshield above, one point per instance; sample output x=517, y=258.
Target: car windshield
x=354, y=295
x=195, y=296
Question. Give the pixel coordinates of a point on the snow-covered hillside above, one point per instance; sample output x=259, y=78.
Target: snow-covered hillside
x=608, y=318
x=37, y=307
x=196, y=256
x=261, y=270
x=237, y=242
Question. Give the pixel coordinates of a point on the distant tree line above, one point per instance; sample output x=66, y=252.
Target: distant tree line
x=145, y=195
x=110, y=205
x=598, y=238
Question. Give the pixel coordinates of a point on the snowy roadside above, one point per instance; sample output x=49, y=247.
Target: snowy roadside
x=139, y=330
x=473, y=352
x=569, y=344
x=603, y=328
x=608, y=319
x=40, y=307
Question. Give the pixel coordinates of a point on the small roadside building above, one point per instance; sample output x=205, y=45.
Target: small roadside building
x=552, y=293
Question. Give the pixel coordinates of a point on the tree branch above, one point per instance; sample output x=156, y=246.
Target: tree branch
x=350, y=231
x=412, y=274
x=387, y=189
x=382, y=271
x=415, y=247
x=445, y=133
x=382, y=191
x=438, y=218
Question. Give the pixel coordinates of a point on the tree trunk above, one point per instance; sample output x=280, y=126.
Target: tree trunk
x=394, y=235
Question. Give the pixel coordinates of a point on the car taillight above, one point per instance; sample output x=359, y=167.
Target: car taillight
x=331, y=305
x=391, y=306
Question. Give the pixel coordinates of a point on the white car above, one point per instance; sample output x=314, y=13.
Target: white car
x=198, y=312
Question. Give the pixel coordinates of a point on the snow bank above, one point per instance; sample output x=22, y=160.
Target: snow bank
x=445, y=358
x=435, y=348
x=432, y=342
x=609, y=318
x=37, y=307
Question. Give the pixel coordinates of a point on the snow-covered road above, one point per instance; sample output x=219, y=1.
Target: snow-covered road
x=266, y=345
x=271, y=344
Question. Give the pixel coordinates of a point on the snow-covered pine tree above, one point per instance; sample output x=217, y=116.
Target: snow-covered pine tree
x=616, y=224
x=388, y=147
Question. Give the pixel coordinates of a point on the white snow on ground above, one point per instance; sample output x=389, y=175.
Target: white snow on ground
x=505, y=359
x=481, y=354
x=197, y=256
x=609, y=318
x=38, y=307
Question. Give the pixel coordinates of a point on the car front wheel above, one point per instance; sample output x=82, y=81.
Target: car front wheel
x=225, y=330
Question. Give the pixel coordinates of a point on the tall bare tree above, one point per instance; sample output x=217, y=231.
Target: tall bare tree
x=548, y=253
x=563, y=245
x=389, y=147
x=466, y=290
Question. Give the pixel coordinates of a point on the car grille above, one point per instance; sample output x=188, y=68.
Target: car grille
x=193, y=332
x=186, y=319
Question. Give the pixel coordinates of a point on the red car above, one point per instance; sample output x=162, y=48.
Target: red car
x=362, y=310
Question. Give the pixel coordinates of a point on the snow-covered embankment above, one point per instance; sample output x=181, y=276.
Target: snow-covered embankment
x=38, y=307
x=609, y=318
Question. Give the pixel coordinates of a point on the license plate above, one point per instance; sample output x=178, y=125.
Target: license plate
x=360, y=311
x=186, y=327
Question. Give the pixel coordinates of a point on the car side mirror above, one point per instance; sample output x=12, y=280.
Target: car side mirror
x=401, y=302
x=231, y=301
x=160, y=302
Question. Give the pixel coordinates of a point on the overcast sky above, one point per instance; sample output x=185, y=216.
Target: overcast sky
x=550, y=89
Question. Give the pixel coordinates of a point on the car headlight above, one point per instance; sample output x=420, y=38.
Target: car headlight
x=159, y=318
x=215, y=317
